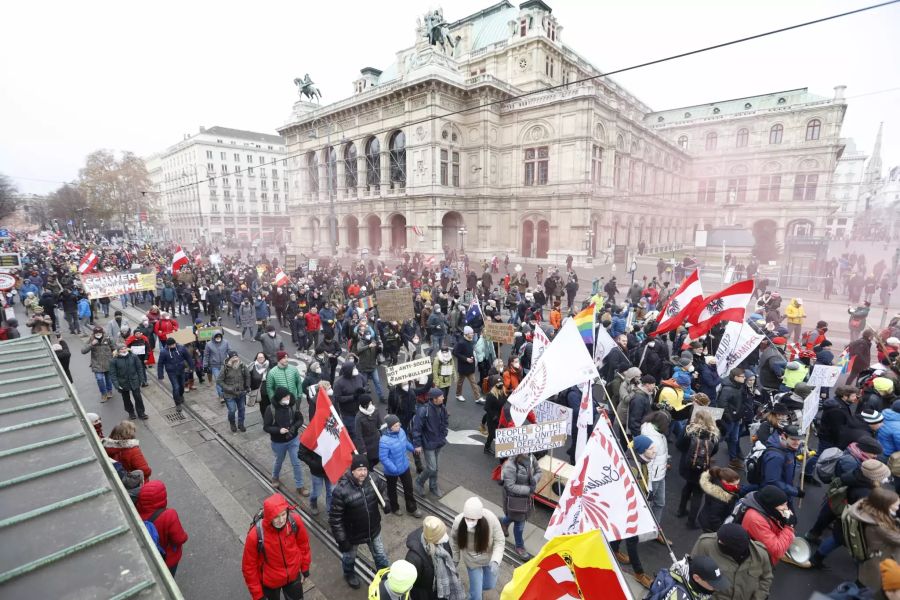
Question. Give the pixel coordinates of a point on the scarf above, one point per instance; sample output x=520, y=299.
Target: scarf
x=368, y=410
x=446, y=578
x=261, y=368
x=855, y=452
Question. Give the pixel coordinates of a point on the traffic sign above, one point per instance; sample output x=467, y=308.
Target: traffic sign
x=7, y=282
x=4, y=233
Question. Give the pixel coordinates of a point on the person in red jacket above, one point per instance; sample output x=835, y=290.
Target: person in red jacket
x=770, y=521
x=152, y=506
x=165, y=327
x=284, y=561
x=121, y=445
x=313, y=325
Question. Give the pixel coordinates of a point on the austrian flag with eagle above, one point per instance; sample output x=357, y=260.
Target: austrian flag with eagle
x=327, y=437
x=728, y=305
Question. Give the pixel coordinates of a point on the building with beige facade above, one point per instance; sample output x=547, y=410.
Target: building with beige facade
x=503, y=140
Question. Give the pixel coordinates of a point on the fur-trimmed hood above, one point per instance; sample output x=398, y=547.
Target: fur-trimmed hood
x=714, y=489
x=109, y=443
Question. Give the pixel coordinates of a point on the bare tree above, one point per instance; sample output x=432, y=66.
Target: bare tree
x=115, y=187
x=8, y=199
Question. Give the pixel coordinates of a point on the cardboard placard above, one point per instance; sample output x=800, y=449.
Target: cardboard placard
x=547, y=411
x=10, y=260
x=183, y=336
x=204, y=334
x=502, y=333
x=116, y=283
x=824, y=376
x=290, y=262
x=716, y=413
x=395, y=305
x=511, y=441
x=408, y=370
x=312, y=265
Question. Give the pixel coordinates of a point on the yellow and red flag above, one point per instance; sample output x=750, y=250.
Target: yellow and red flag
x=570, y=566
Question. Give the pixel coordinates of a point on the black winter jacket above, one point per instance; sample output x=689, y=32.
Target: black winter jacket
x=730, y=398
x=354, y=517
x=347, y=388
x=368, y=435
x=423, y=588
x=717, y=503
x=277, y=417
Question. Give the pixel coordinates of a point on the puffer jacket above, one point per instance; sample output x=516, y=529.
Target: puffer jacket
x=354, y=517
x=430, y=426
x=881, y=543
x=172, y=537
x=750, y=579
x=101, y=353
x=285, y=553
x=730, y=398
x=234, y=380
x=347, y=388
x=368, y=433
x=717, y=503
x=127, y=372
x=287, y=417
x=795, y=313
x=778, y=465
x=519, y=479
x=287, y=377
x=889, y=432
x=214, y=355
x=392, y=449
x=128, y=453
x=777, y=538
x=271, y=345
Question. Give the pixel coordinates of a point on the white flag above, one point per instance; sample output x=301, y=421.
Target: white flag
x=539, y=345
x=603, y=344
x=585, y=418
x=603, y=495
x=737, y=342
x=565, y=363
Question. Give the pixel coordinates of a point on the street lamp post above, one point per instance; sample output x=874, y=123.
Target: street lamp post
x=462, y=239
x=589, y=244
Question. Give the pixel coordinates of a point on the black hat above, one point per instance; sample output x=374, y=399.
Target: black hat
x=358, y=461
x=780, y=409
x=648, y=379
x=770, y=496
x=707, y=569
x=391, y=420
x=232, y=354
x=869, y=445
x=734, y=538
x=791, y=431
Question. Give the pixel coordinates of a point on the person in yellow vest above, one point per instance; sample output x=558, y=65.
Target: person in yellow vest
x=394, y=582
x=794, y=372
x=795, y=314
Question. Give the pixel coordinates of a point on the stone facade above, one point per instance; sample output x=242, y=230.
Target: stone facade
x=439, y=151
x=224, y=186
x=846, y=191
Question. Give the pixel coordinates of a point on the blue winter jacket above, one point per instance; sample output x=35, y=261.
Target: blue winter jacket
x=392, y=451
x=778, y=465
x=709, y=382
x=889, y=432
x=172, y=362
x=430, y=426
x=262, y=310
x=84, y=308
x=619, y=322
x=684, y=379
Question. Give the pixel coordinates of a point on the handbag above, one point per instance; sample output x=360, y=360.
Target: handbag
x=253, y=397
x=518, y=507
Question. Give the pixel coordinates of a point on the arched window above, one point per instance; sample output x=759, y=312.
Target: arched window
x=743, y=136
x=711, y=140
x=813, y=129
x=373, y=163
x=683, y=142
x=330, y=170
x=398, y=159
x=350, y=167
x=312, y=172
x=776, y=133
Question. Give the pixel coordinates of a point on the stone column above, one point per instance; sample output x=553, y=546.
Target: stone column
x=341, y=179
x=385, y=171
x=361, y=172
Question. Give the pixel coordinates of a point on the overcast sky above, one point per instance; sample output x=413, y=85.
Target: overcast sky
x=78, y=76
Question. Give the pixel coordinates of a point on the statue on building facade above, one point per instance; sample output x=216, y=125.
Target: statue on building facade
x=437, y=31
x=306, y=87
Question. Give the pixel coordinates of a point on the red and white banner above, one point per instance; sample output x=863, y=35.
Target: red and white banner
x=728, y=305
x=88, y=263
x=179, y=259
x=681, y=304
x=327, y=437
x=281, y=278
x=603, y=495
x=539, y=344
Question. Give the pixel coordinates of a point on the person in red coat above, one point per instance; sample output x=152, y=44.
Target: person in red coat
x=152, y=500
x=284, y=561
x=165, y=327
x=313, y=325
x=121, y=445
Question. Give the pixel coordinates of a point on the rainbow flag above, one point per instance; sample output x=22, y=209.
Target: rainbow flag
x=366, y=303
x=585, y=322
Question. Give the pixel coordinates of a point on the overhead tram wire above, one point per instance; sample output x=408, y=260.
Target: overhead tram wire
x=642, y=65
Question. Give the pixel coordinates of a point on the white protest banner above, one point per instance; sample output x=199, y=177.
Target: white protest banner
x=551, y=411
x=715, y=413
x=737, y=342
x=585, y=417
x=511, y=441
x=565, y=363
x=824, y=376
x=602, y=494
x=408, y=370
x=810, y=408
x=603, y=344
x=538, y=345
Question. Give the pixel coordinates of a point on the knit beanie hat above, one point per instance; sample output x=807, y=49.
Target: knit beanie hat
x=890, y=575
x=733, y=540
x=875, y=470
x=641, y=443
x=872, y=417
x=391, y=420
x=882, y=385
x=358, y=461
x=473, y=508
x=433, y=529
x=401, y=577
x=869, y=445
x=770, y=496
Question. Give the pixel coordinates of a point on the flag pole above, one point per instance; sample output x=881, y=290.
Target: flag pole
x=625, y=433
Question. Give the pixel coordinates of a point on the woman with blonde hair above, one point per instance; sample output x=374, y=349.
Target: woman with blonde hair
x=698, y=444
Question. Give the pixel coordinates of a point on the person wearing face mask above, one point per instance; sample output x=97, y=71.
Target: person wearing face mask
x=779, y=460
x=165, y=327
x=437, y=326
x=277, y=556
x=429, y=551
x=402, y=402
x=246, y=318
x=330, y=349
x=744, y=562
x=127, y=373
x=392, y=449
x=259, y=371
x=368, y=423
x=769, y=520
x=493, y=406
x=442, y=369
x=113, y=328
x=283, y=375
x=429, y=435
x=311, y=386
x=477, y=539
x=101, y=349
x=367, y=350
x=271, y=343
x=174, y=360
x=282, y=422
x=146, y=328
x=692, y=578
x=347, y=389
x=721, y=487
x=234, y=379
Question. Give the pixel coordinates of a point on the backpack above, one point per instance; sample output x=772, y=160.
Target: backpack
x=258, y=524
x=836, y=496
x=854, y=536
x=737, y=513
x=698, y=453
x=851, y=591
x=154, y=532
x=826, y=464
x=661, y=586
x=753, y=464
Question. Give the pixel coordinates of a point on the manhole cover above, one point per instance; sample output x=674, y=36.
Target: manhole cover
x=175, y=417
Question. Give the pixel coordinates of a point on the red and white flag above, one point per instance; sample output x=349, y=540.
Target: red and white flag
x=585, y=418
x=728, y=305
x=327, y=437
x=680, y=305
x=179, y=259
x=281, y=278
x=88, y=263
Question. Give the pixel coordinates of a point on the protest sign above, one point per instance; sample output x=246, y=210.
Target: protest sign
x=204, y=334
x=715, y=413
x=511, y=441
x=810, y=408
x=183, y=336
x=116, y=283
x=395, y=305
x=565, y=363
x=737, y=342
x=824, y=376
x=502, y=333
x=312, y=265
x=408, y=370
x=551, y=411
x=290, y=262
